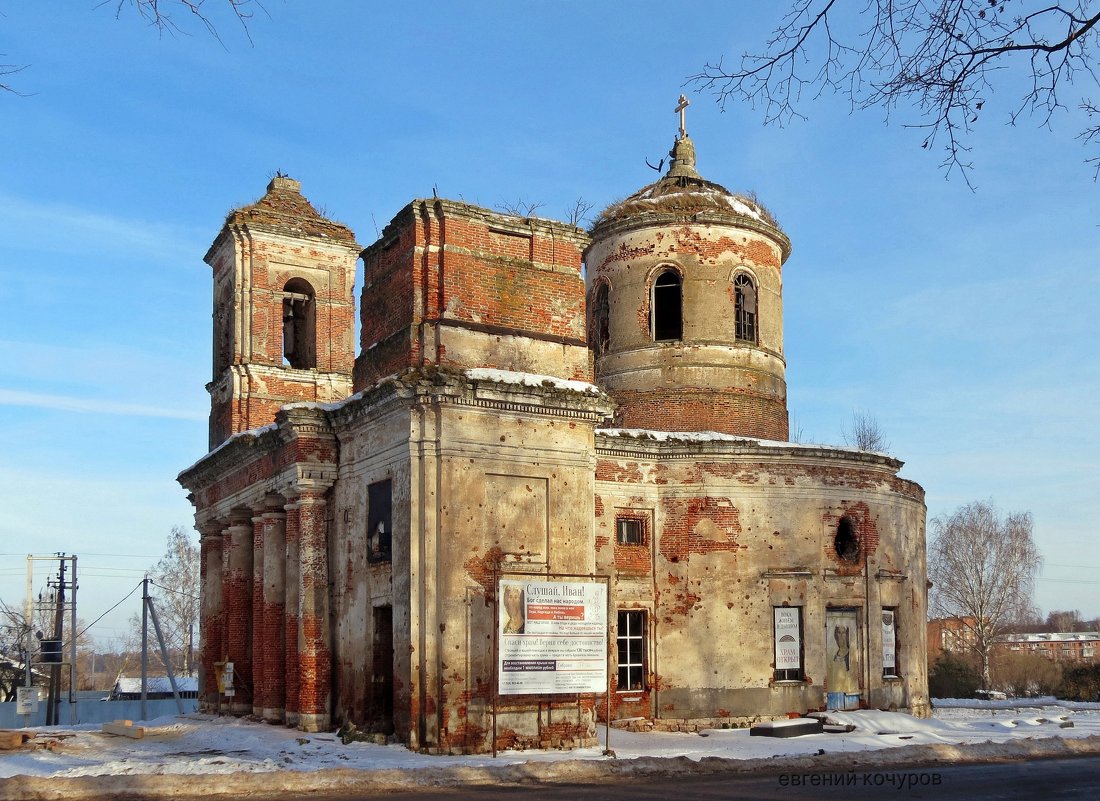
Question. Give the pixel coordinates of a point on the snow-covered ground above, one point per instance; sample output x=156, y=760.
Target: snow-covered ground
x=197, y=744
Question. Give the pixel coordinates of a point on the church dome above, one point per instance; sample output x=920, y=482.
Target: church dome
x=683, y=194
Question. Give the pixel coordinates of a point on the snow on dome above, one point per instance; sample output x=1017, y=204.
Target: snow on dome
x=683, y=192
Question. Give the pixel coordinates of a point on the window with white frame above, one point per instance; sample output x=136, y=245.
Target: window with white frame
x=631, y=641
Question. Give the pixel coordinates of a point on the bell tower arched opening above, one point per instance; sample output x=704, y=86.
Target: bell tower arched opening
x=299, y=325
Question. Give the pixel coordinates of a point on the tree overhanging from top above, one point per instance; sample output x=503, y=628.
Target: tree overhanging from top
x=941, y=58
x=167, y=17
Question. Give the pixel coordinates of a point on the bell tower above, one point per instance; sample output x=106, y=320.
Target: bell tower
x=685, y=299
x=284, y=310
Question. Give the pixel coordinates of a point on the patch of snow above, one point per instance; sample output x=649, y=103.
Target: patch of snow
x=203, y=744
x=531, y=380
x=717, y=436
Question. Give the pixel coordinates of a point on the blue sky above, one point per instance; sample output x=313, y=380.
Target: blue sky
x=965, y=321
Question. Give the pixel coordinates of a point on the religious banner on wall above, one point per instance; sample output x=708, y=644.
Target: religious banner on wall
x=552, y=637
x=788, y=638
x=889, y=642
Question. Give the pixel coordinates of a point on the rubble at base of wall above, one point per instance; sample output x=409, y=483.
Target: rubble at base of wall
x=690, y=725
x=521, y=744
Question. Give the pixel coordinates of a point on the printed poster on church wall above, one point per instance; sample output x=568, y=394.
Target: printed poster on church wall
x=788, y=638
x=552, y=637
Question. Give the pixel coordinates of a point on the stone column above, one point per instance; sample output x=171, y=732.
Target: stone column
x=260, y=644
x=274, y=609
x=237, y=595
x=211, y=613
x=314, y=638
x=290, y=628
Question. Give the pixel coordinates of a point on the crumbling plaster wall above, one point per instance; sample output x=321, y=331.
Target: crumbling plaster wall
x=736, y=534
x=374, y=447
x=502, y=480
x=707, y=380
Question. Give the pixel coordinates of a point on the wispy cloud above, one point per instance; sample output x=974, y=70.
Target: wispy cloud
x=69, y=229
x=13, y=397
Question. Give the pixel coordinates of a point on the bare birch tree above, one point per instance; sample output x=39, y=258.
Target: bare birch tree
x=982, y=568
x=175, y=592
x=940, y=58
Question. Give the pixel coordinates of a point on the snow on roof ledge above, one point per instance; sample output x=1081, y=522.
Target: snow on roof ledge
x=717, y=436
x=531, y=380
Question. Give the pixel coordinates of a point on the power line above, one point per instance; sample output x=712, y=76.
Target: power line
x=177, y=592
x=109, y=611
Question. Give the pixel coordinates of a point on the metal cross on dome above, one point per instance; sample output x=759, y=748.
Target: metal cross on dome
x=684, y=103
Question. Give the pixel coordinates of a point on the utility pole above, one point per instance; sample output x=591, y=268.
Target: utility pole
x=52, y=650
x=58, y=635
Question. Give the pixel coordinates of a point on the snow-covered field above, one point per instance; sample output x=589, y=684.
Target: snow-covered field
x=197, y=744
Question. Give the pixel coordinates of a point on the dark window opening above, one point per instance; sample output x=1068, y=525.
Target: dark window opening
x=299, y=325
x=379, y=524
x=668, y=307
x=630, y=531
x=381, y=700
x=631, y=642
x=600, y=332
x=745, y=323
x=846, y=543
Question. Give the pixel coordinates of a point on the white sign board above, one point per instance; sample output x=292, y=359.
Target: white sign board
x=889, y=641
x=788, y=638
x=26, y=700
x=552, y=637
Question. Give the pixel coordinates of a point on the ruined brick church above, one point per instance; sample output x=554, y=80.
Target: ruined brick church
x=529, y=398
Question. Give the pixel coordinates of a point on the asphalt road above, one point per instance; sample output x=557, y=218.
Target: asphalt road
x=1040, y=780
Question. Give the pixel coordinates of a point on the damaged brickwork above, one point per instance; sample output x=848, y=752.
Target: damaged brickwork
x=357, y=510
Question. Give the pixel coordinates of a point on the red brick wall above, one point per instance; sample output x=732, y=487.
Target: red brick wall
x=729, y=412
x=492, y=273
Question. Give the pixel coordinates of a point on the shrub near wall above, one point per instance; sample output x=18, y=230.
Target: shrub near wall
x=1080, y=682
x=952, y=676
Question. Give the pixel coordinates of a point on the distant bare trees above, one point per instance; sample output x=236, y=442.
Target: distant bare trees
x=982, y=567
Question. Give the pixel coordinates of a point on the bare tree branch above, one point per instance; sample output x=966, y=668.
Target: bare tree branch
x=160, y=14
x=521, y=208
x=940, y=58
x=578, y=214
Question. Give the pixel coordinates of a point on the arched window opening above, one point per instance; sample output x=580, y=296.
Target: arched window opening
x=745, y=316
x=599, y=334
x=846, y=541
x=668, y=307
x=299, y=325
